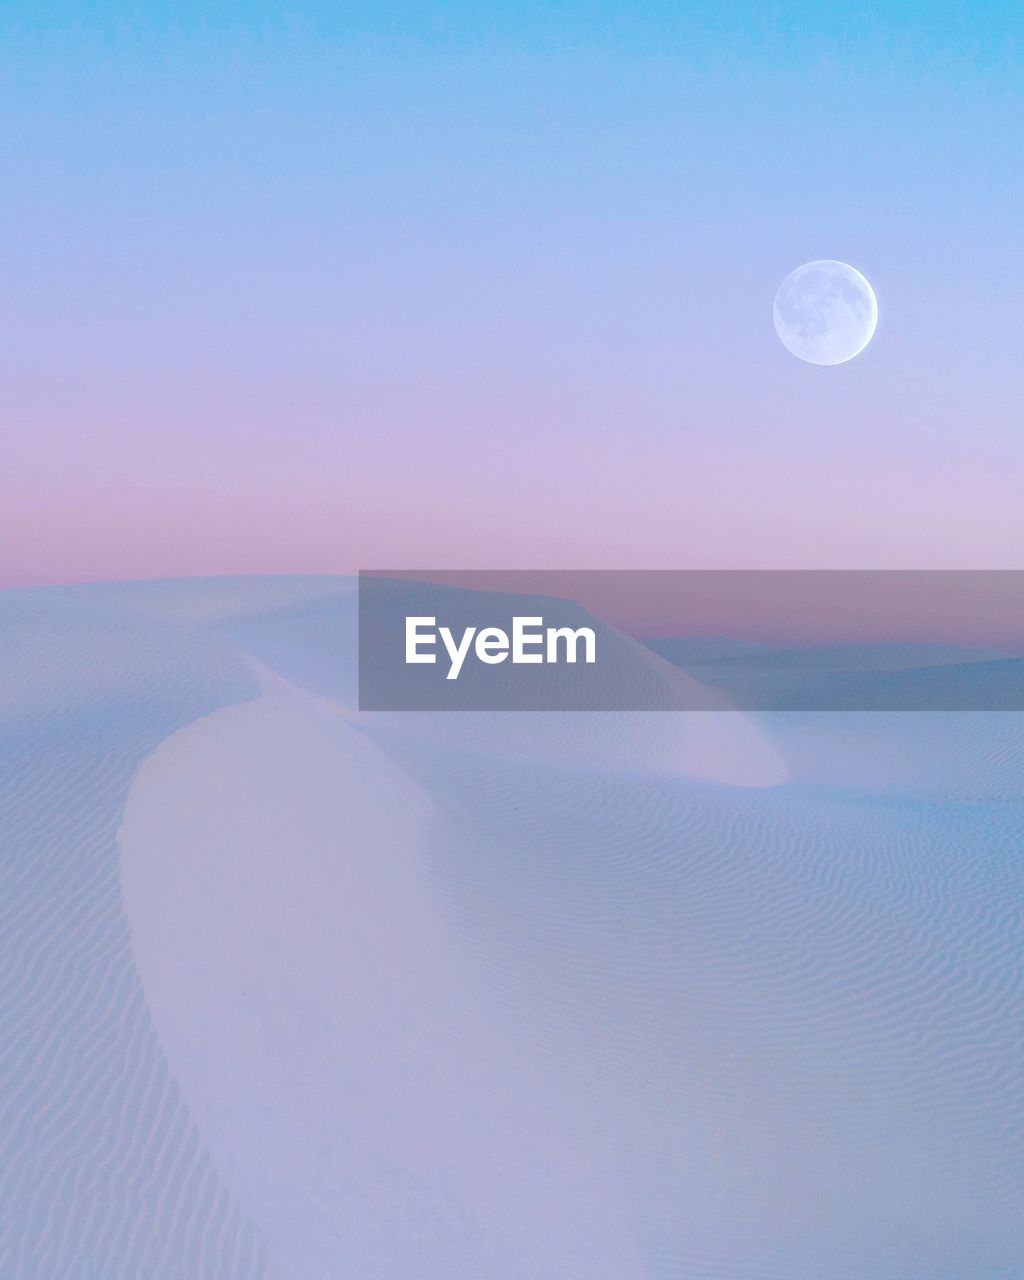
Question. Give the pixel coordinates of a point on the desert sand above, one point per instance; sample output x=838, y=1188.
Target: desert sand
x=295, y=991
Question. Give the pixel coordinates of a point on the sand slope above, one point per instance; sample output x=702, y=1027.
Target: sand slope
x=103, y=1174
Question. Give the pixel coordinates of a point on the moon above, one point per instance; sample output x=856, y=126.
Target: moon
x=825, y=312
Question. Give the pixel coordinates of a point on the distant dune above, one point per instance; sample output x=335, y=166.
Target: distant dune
x=295, y=991
x=853, y=677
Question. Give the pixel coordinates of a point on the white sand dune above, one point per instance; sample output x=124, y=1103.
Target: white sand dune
x=103, y=1174
x=490, y=996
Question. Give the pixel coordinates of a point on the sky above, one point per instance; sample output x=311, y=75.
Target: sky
x=314, y=288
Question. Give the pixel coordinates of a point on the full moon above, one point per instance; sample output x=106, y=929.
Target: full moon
x=825, y=312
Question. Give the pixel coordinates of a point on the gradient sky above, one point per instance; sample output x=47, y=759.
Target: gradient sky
x=320, y=287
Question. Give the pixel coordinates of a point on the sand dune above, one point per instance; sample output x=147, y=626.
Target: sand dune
x=860, y=677
x=512, y=996
x=103, y=1173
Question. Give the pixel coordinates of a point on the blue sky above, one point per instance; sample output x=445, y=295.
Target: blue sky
x=369, y=277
